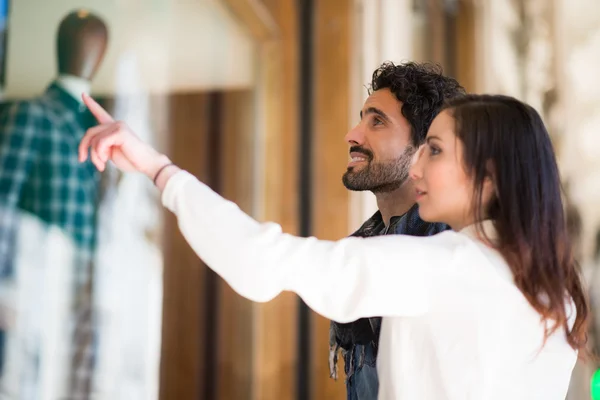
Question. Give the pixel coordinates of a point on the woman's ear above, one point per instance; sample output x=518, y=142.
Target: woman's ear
x=490, y=189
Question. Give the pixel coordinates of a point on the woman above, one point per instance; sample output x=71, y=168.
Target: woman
x=495, y=308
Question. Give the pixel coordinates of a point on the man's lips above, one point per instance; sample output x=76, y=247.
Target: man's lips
x=357, y=158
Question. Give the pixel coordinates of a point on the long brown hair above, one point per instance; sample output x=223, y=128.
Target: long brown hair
x=506, y=139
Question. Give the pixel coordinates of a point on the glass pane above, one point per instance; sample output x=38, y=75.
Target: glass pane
x=89, y=264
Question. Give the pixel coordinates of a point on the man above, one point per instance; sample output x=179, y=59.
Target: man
x=403, y=100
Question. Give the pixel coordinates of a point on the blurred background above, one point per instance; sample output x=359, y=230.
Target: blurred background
x=99, y=293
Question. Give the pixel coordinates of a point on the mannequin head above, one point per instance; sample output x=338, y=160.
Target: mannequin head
x=81, y=44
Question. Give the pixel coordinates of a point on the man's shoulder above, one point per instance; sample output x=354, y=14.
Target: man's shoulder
x=412, y=224
x=430, y=229
x=408, y=224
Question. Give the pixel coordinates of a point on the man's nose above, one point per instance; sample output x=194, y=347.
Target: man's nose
x=355, y=136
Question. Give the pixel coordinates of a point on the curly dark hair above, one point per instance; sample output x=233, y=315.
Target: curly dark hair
x=422, y=89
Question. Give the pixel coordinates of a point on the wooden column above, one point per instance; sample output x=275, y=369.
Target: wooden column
x=266, y=369
x=466, y=46
x=436, y=32
x=332, y=79
x=275, y=340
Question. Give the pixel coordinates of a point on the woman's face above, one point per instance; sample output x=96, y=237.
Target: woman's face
x=445, y=191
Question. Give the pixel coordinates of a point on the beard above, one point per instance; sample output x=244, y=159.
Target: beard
x=379, y=176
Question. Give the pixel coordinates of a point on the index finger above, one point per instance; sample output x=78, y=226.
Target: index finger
x=96, y=109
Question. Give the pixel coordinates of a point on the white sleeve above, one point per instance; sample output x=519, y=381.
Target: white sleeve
x=343, y=280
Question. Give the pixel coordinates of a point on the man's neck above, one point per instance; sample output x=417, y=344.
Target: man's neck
x=395, y=203
x=74, y=85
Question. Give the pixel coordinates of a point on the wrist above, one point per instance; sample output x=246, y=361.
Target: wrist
x=157, y=164
x=164, y=175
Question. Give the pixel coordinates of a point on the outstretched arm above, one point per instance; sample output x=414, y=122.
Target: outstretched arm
x=344, y=280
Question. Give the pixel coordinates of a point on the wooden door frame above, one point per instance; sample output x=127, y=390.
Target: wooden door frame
x=274, y=26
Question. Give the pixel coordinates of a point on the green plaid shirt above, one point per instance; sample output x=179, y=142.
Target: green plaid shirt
x=40, y=172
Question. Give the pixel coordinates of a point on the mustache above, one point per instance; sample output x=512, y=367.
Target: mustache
x=359, y=149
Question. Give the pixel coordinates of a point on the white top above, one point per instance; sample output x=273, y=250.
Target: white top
x=455, y=326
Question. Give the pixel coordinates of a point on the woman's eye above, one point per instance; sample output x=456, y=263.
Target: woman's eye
x=434, y=151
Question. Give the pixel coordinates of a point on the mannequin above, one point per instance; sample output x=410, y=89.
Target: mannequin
x=41, y=177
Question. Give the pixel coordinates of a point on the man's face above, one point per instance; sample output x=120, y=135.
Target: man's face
x=380, y=146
